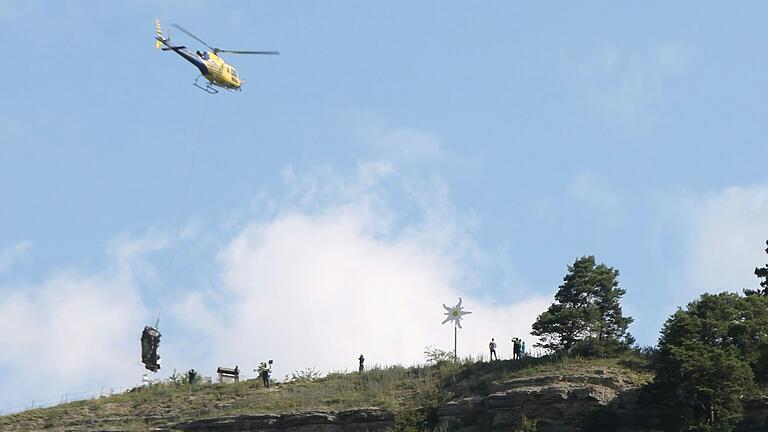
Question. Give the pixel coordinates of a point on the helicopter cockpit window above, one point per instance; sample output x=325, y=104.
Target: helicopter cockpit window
x=150, y=340
x=234, y=73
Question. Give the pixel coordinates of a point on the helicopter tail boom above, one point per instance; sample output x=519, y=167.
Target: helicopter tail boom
x=160, y=39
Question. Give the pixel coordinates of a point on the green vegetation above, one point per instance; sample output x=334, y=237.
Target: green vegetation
x=711, y=356
x=528, y=425
x=413, y=394
x=586, y=317
x=761, y=273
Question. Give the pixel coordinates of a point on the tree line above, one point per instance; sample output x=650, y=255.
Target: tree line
x=711, y=355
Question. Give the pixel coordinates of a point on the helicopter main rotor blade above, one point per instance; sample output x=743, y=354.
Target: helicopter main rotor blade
x=189, y=33
x=250, y=52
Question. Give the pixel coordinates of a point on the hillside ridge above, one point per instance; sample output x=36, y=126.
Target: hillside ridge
x=562, y=394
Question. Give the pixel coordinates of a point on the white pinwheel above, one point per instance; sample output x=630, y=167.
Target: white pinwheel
x=455, y=313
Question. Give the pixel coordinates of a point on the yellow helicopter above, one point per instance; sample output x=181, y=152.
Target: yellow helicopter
x=212, y=67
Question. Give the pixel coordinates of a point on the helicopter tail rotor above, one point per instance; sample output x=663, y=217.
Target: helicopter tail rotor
x=160, y=38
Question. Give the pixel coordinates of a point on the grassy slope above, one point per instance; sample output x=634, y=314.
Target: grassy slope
x=396, y=388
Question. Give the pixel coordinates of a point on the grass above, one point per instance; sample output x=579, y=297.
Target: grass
x=412, y=393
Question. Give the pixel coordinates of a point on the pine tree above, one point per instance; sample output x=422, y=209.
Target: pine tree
x=762, y=272
x=586, y=317
x=707, y=360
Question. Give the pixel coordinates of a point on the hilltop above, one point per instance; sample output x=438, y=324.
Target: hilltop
x=400, y=397
x=560, y=394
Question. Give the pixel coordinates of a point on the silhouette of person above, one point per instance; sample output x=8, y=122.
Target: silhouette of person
x=361, y=359
x=264, y=373
x=492, y=347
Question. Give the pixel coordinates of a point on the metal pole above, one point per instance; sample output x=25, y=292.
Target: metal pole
x=455, y=358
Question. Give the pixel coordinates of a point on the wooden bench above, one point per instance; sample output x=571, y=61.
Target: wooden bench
x=228, y=373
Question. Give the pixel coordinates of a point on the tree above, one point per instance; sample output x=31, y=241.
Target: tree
x=708, y=357
x=761, y=273
x=586, y=317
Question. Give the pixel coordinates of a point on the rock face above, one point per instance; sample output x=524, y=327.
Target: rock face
x=558, y=402
x=363, y=420
x=569, y=404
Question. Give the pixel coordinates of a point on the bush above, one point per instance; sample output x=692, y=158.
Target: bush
x=435, y=356
x=410, y=420
x=303, y=376
x=528, y=425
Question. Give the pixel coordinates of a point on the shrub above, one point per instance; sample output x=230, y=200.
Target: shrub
x=436, y=356
x=303, y=376
x=528, y=425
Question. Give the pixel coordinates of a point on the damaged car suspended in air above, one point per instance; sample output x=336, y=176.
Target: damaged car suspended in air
x=150, y=339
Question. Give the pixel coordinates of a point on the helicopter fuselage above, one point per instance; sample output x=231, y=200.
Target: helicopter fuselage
x=210, y=65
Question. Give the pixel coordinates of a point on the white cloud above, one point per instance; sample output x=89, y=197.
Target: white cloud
x=76, y=328
x=398, y=143
x=12, y=254
x=594, y=191
x=629, y=88
x=409, y=143
x=316, y=286
x=727, y=234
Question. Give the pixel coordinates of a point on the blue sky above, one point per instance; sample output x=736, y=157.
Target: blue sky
x=393, y=157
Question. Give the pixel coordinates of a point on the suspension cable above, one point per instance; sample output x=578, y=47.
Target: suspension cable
x=182, y=213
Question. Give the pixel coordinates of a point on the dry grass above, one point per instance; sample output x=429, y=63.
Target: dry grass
x=393, y=388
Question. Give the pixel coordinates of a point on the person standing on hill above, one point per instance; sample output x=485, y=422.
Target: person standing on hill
x=264, y=371
x=515, y=348
x=361, y=359
x=492, y=347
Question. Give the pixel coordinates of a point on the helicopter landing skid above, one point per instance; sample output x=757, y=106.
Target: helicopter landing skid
x=208, y=87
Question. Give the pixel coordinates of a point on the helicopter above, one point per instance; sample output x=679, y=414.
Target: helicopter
x=212, y=67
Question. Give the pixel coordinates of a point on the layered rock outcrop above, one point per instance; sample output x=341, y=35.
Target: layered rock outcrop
x=559, y=403
x=581, y=403
x=361, y=420
x=572, y=403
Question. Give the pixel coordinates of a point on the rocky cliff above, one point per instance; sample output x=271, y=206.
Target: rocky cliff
x=598, y=401
x=560, y=404
x=561, y=394
x=361, y=420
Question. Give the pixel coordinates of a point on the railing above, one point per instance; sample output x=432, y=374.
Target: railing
x=102, y=391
